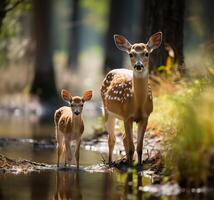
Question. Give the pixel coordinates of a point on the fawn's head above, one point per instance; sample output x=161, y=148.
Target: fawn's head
x=139, y=52
x=76, y=102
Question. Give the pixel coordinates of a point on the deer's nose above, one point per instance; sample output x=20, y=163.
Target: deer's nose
x=138, y=66
x=76, y=112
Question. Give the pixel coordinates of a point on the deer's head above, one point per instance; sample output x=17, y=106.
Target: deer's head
x=139, y=52
x=76, y=102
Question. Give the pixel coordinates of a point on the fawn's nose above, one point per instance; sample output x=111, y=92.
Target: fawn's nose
x=76, y=112
x=138, y=66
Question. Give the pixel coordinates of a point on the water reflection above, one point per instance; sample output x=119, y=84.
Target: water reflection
x=128, y=191
x=133, y=185
x=111, y=191
x=125, y=186
x=68, y=186
x=39, y=188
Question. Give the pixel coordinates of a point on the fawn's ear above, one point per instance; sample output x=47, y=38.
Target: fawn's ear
x=87, y=95
x=122, y=43
x=66, y=95
x=154, y=41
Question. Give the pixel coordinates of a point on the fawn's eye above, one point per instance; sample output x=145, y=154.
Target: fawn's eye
x=81, y=105
x=146, y=54
x=72, y=105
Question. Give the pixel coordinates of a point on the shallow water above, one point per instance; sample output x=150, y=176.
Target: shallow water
x=63, y=185
x=16, y=125
x=67, y=184
x=47, y=155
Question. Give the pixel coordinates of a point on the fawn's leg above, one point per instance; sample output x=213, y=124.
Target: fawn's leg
x=140, y=135
x=77, y=152
x=110, y=124
x=59, y=146
x=128, y=140
x=59, y=152
x=68, y=155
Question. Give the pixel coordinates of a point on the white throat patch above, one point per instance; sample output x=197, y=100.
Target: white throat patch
x=142, y=74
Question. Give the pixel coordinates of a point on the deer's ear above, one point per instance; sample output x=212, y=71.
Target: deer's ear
x=87, y=95
x=154, y=41
x=66, y=95
x=122, y=43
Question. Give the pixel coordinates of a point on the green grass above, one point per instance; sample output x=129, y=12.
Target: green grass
x=188, y=116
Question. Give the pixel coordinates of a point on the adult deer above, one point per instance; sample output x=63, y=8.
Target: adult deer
x=69, y=125
x=126, y=94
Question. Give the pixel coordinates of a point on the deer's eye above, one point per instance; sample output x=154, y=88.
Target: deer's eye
x=146, y=54
x=81, y=105
x=72, y=105
x=131, y=55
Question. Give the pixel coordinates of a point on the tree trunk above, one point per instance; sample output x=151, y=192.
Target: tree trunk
x=73, y=49
x=208, y=15
x=123, y=19
x=44, y=81
x=166, y=16
x=3, y=4
x=113, y=58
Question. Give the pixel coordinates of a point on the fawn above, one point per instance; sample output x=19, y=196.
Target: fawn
x=69, y=125
x=126, y=95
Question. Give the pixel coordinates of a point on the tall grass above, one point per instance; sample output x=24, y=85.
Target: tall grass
x=192, y=144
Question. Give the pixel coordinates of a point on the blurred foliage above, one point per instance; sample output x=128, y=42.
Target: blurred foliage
x=166, y=113
x=188, y=117
x=12, y=27
x=169, y=71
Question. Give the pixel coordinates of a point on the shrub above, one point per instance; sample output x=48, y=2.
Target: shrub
x=193, y=144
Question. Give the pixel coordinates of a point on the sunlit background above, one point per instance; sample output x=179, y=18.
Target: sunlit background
x=49, y=45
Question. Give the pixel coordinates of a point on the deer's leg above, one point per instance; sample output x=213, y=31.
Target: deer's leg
x=65, y=155
x=59, y=146
x=110, y=124
x=128, y=140
x=77, y=152
x=59, y=152
x=68, y=155
x=140, y=135
x=126, y=145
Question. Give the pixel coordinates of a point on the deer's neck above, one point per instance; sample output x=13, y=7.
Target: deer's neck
x=77, y=120
x=140, y=88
